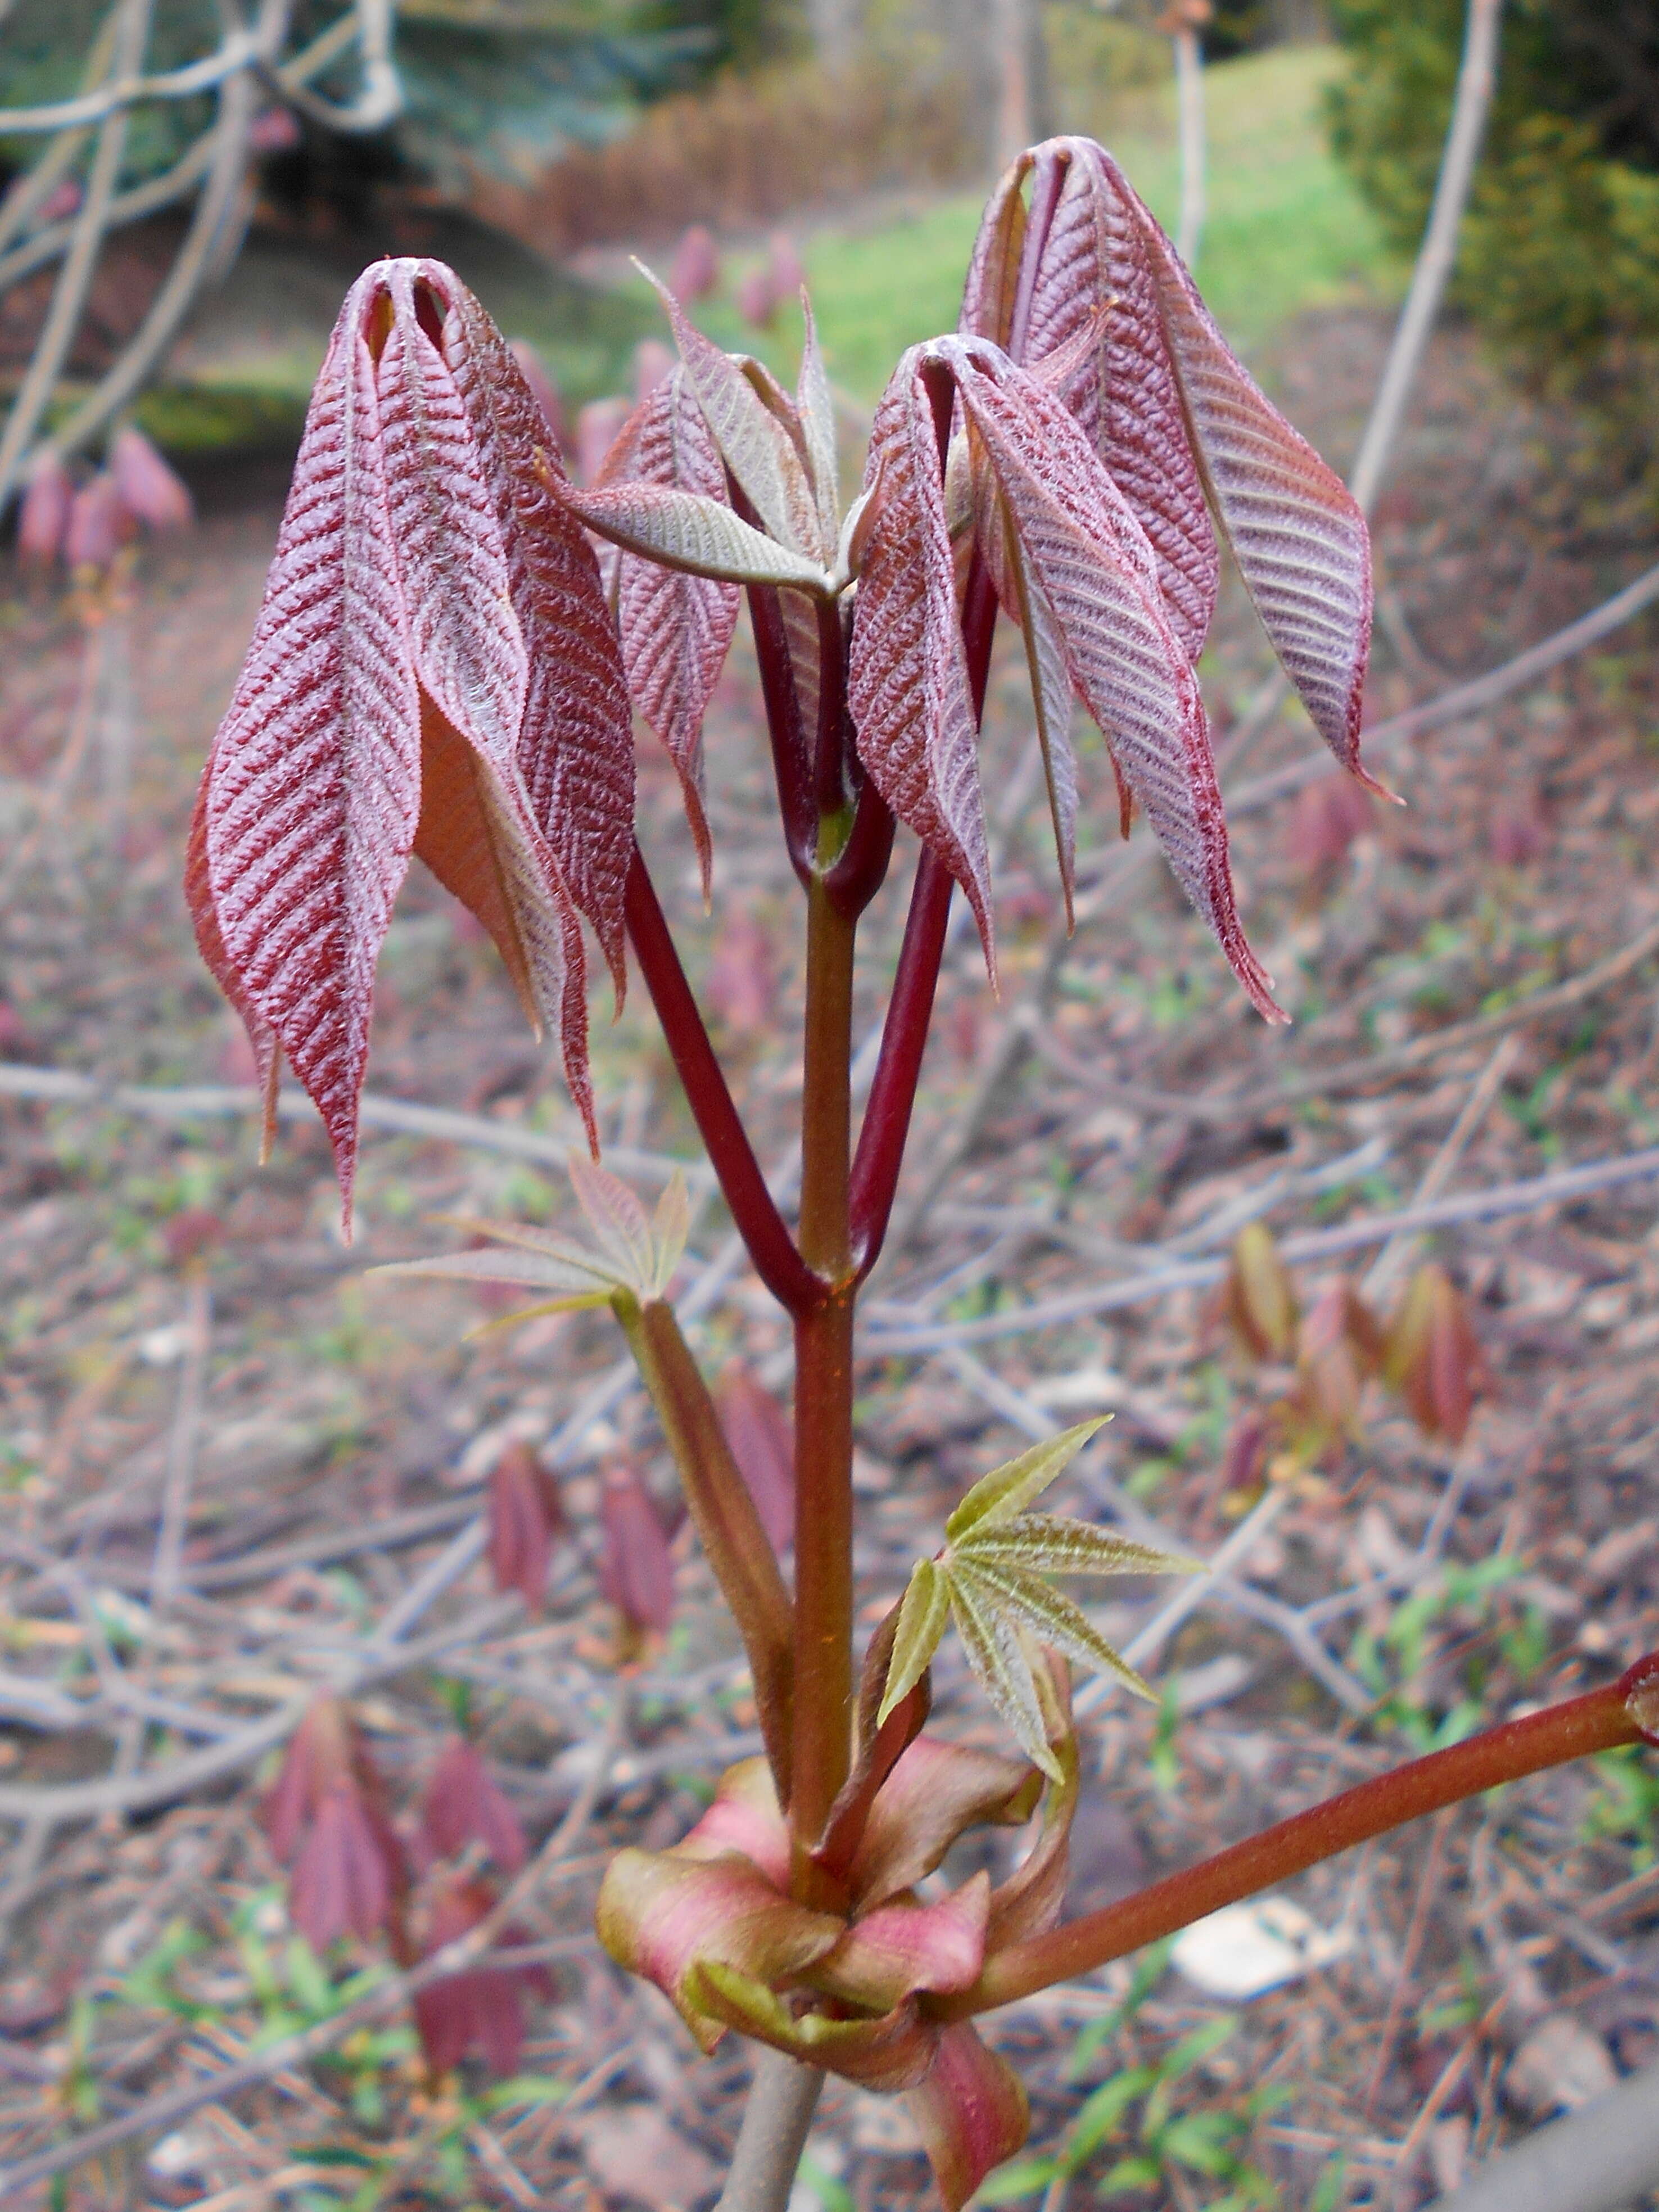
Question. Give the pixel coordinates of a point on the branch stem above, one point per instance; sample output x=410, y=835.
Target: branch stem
x=777, y=2119
x=886, y=1125
x=731, y=1155
x=1602, y=1721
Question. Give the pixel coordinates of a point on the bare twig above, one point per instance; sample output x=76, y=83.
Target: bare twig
x=777, y=2117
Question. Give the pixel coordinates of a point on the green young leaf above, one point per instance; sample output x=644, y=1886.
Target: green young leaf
x=530, y=1271
x=670, y=1225
x=1009, y=1489
x=1050, y=1616
x=996, y=1653
x=922, y=1616
x=1051, y=1544
x=817, y=408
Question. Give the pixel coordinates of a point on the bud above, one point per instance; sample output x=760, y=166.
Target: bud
x=98, y=525
x=543, y=390
x=597, y=426
x=43, y=520
x=525, y=1520
x=1244, y=1460
x=757, y=301
x=1339, y=1347
x=757, y=1428
x=325, y=1815
x=464, y=1804
x=695, y=271
x=636, y=1572
x=1433, y=1357
x=151, y=492
x=481, y=2007
x=1258, y=1301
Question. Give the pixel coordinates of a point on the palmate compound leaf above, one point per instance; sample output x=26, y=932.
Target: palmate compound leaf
x=387, y=703
x=908, y=688
x=992, y=1580
x=1080, y=551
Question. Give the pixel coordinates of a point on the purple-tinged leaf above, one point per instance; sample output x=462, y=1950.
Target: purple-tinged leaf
x=758, y=1431
x=970, y=2112
x=43, y=518
x=524, y=1519
x=1294, y=528
x=262, y=1038
x=676, y=628
x=464, y=1804
x=908, y=680
x=935, y=1791
x=636, y=1569
x=1087, y=556
x=481, y=2007
x=313, y=790
x=151, y=491
x=683, y=531
x=341, y=1883
x=744, y=1817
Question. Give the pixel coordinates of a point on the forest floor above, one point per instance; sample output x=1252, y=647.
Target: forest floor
x=322, y=1438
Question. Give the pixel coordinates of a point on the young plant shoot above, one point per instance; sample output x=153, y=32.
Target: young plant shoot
x=453, y=643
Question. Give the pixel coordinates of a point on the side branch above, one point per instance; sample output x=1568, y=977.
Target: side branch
x=770, y=1246
x=1625, y=1712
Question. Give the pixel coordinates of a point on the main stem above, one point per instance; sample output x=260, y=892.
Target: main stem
x=823, y=1388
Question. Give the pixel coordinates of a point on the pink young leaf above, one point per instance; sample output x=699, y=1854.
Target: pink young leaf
x=1091, y=561
x=908, y=682
x=481, y=2008
x=150, y=490
x=575, y=745
x=971, y=2113
x=342, y=1883
x=1295, y=529
x=99, y=524
x=758, y=447
x=43, y=518
x=695, y=271
x=313, y=791
x=1093, y=274
x=935, y=1792
x=757, y=1428
x=198, y=898
x=464, y=1804
x=636, y=1569
x=744, y=1817
x=523, y=1518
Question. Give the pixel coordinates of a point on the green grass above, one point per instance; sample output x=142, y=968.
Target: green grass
x=1286, y=229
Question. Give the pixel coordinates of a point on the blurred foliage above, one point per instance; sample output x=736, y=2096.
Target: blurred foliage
x=1559, y=258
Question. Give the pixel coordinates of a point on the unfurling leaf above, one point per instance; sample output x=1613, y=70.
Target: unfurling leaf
x=908, y=676
x=676, y=627
x=1259, y=1299
x=326, y=1816
x=524, y=1519
x=481, y=2007
x=464, y=1804
x=433, y=670
x=1433, y=1357
x=991, y=1580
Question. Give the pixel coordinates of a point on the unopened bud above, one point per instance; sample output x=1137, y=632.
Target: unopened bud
x=1433, y=1356
x=525, y=1519
x=464, y=1804
x=150, y=491
x=1259, y=1299
x=695, y=271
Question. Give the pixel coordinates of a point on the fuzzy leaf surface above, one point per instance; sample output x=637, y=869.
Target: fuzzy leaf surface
x=908, y=679
x=1013, y=1596
x=676, y=628
x=1053, y=1544
x=996, y=1497
x=924, y=1613
x=312, y=789
x=684, y=530
x=1091, y=561
x=816, y=406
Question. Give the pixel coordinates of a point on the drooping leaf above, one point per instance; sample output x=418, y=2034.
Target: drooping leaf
x=893, y=2051
x=996, y=1497
x=907, y=678
x=971, y=2112
x=1051, y=695
x=1031, y=1899
x=1094, y=273
x=676, y=628
x=575, y=744
x=312, y=788
x=262, y=1038
x=923, y=1614
x=1090, y=560
x=1294, y=527
x=464, y=1804
x=755, y=445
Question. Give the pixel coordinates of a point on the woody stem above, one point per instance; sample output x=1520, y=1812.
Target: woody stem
x=1622, y=1713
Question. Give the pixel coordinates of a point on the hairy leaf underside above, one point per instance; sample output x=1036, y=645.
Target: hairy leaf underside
x=433, y=670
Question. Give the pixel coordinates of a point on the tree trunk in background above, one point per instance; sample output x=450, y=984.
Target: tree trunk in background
x=837, y=29
x=1015, y=51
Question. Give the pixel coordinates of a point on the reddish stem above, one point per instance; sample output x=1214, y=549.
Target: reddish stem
x=791, y=763
x=829, y=760
x=770, y=1246
x=1602, y=1721
x=886, y=1125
